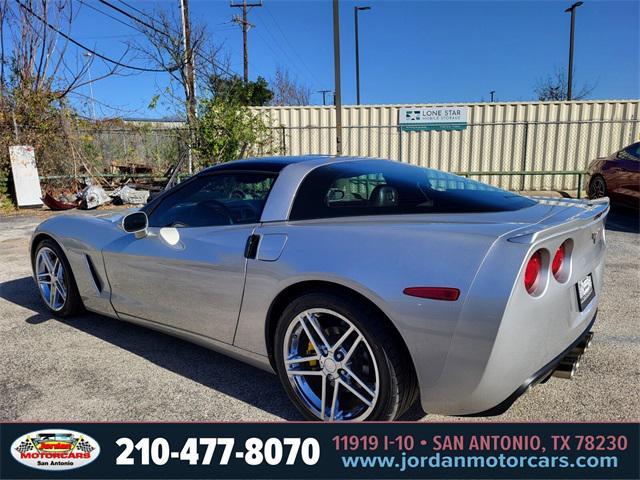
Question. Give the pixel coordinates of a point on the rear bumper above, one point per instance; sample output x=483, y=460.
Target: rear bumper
x=538, y=377
x=499, y=347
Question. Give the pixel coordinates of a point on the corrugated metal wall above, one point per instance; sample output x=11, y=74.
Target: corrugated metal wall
x=531, y=136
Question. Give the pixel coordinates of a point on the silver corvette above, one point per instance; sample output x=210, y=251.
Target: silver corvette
x=364, y=284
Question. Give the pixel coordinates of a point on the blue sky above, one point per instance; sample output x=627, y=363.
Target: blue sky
x=411, y=51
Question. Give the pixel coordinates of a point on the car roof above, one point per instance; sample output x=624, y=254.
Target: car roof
x=265, y=164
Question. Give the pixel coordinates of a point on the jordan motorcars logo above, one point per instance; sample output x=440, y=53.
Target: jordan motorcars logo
x=55, y=449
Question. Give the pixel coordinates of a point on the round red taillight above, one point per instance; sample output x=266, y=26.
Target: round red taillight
x=532, y=271
x=558, y=260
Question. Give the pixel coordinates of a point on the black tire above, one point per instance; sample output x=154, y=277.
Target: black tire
x=597, y=187
x=398, y=385
x=73, y=303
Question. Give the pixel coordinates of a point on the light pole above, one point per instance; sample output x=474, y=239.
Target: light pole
x=357, y=9
x=492, y=92
x=572, y=10
x=337, y=98
x=88, y=56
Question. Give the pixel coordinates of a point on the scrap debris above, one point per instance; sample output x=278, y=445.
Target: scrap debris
x=87, y=196
x=127, y=195
x=61, y=204
x=86, y=193
x=92, y=197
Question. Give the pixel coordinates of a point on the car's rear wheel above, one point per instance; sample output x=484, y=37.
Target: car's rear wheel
x=55, y=280
x=597, y=187
x=339, y=360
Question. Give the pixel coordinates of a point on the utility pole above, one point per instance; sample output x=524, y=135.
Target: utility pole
x=357, y=9
x=324, y=95
x=572, y=10
x=336, y=67
x=189, y=77
x=244, y=23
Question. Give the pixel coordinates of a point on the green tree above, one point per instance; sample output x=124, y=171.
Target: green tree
x=229, y=130
x=255, y=93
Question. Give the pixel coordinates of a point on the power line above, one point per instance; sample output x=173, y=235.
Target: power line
x=160, y=32
x=136, y=9
x=103, y=37
x=282, y=49
x=134, y=18
x=84, y=47
x=105, y=105
x=293, y=49
x=86, y=4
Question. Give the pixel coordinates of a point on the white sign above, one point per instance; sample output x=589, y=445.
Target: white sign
x=433, y=118
x=25, y=176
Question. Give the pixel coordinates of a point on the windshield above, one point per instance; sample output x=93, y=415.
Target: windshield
x=378, y=187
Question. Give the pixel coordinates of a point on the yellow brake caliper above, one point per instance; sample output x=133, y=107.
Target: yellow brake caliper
x=311, y=351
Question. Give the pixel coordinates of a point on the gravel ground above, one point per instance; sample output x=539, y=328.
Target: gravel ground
x=95, y=368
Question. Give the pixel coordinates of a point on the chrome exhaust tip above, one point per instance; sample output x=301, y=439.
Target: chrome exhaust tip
x=568, y=365
x=586, y=341
x=574, y=359
x=565, y=370
x=576, y=352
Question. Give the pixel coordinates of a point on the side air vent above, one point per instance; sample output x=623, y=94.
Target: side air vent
x=94, y=274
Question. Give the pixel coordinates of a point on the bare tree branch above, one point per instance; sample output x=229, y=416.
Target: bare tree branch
x=287, y=91
x=554, y=88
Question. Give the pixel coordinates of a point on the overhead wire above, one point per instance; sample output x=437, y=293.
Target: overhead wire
x=90, y=50
x=141, y=12
x=133, y=17
x=160, y=32
x=87, y=4
x=286, y=38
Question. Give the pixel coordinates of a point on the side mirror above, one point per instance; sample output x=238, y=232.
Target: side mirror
x=136, y=223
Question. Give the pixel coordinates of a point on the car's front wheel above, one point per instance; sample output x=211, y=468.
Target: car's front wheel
x=597, y=187
x=55, y=280
x=338, y=359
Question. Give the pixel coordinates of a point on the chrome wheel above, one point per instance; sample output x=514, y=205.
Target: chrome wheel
x=51, y=278
x=331, y=366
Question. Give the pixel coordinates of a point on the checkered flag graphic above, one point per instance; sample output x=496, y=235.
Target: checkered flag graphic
x=84, y=446
x=24, y=446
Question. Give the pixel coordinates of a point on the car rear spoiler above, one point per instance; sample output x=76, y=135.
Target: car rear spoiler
x=576, y=215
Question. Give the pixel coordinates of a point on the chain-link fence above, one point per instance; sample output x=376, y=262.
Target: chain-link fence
x=74, y=150
x=481, y=148
x=105, y=154
x=116, y=150
x=512, y=155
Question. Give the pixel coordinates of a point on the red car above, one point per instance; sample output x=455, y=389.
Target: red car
x=617, y=176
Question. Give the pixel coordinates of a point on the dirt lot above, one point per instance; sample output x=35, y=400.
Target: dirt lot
x=95, y=368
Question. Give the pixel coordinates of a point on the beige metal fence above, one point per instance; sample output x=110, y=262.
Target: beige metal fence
x=500, y=137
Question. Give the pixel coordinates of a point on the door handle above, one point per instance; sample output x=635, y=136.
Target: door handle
x=251, y=248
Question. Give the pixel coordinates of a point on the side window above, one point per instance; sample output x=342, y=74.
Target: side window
x=215, y=200
x=633, y=152
x=376, y=187
x=354, y=190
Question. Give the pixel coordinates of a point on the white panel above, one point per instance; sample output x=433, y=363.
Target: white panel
x=25, y=176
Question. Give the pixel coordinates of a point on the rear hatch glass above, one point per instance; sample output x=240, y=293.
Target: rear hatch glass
x=377, y=187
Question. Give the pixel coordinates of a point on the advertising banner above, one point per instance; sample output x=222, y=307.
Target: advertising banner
x=433, y=118
x=315, y=451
